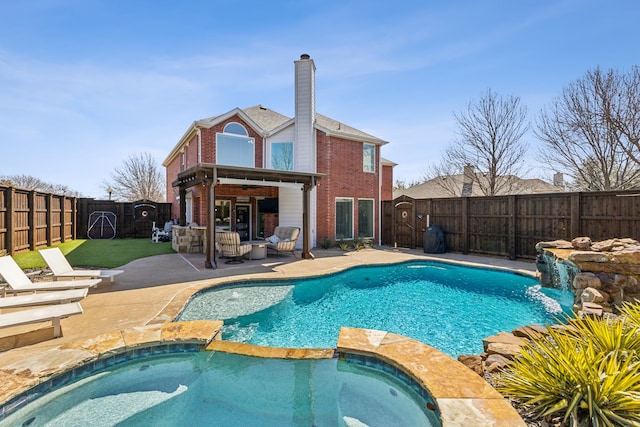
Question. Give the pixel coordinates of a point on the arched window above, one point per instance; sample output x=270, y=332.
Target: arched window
x=235, y=128
x=234, y=147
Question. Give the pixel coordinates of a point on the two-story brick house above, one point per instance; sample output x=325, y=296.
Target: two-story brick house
x=250, y=165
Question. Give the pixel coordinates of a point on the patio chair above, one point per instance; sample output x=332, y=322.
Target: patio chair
x=51, y=313
x=230, y=246
x=60, y=267
x=161, y=235
x=17, y=281
x=283, y=240
x=45, y=298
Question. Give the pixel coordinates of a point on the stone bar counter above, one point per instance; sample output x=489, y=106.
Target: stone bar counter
x=183, y=237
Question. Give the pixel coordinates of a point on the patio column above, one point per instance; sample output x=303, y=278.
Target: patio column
x=306, y=232
x=183, y=206
x=210, y=233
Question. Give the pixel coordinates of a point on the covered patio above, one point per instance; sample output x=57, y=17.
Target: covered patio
x=210, y=176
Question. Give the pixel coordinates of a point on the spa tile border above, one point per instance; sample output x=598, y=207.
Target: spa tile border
x=462, y=397
x=25, y=385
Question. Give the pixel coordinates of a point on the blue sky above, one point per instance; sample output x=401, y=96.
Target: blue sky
x=85, y=84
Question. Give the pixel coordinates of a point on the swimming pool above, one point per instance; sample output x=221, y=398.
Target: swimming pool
x=450, y=307
x=215, y=388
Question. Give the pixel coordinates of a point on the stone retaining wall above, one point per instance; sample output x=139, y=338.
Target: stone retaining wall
x=608, y=272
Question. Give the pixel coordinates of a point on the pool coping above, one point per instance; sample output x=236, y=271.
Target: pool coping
x=468, y=401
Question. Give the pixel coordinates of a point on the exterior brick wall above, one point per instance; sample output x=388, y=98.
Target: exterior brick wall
x=341, y=160
x=209, y=139
x=387, y=182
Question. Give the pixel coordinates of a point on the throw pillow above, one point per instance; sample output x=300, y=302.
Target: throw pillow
x=273, y=239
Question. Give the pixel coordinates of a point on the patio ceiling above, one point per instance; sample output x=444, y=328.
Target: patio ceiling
x=211, y=172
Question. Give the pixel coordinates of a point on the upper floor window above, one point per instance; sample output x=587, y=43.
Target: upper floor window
x=234, y=147
x=369, y=158
x=282, y=156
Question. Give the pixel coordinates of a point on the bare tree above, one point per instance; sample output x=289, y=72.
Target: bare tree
x=138, y=178
x=31, y=183
x=590, y=133
x=403, y=184
x=488, y=148
x=625, y=114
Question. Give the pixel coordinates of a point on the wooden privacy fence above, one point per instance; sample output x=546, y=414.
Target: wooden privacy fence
x=510, y=226
x=31, y=220
x=132, y=219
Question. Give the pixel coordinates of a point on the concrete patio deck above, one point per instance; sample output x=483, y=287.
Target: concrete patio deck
x=154, y=289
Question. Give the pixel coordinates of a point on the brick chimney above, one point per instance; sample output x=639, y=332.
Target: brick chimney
x=305, y=114
x=558, y=179
x=467, y=181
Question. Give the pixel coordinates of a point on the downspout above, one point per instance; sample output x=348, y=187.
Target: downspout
x=379, y=218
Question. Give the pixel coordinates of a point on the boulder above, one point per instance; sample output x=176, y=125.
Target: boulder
x=586, y=280
x=626, y=256
x=502, y=338
x=588, y=256
x=559, y=244
x=472, y=362
x=591, y=295
x=591, y=308
x=496, y=362
x=506, y=350
x=581, y=243
x=530, y=331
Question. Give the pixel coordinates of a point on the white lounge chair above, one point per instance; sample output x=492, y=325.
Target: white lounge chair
x=60, y=267
x=51, y=313
x=18, y=281
x=46, y=298
x=161, y=235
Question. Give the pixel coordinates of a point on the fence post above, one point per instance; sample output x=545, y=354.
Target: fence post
x=10, y=222
x=61, y=216
x=576, y=215
x=74, y=218
x=511, y=227
x=465, y=225
x=49, y=231
x=32, y=221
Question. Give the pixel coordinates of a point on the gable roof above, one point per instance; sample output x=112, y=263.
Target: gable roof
x=439, y=188
x=267, y=122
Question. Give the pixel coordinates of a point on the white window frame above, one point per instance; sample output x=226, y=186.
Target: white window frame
x=223, y=226
x=233, y=138
x=371, y=165
x=343, y=199
x=373, y=217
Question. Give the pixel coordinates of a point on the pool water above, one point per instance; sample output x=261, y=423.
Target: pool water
x=449, y=307
x=222, y=389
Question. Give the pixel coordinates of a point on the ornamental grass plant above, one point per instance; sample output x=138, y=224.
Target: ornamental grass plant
x=587, y=373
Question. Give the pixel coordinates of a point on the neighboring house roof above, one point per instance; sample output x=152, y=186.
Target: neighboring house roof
x=267, y=122
x=387, y=162
x=443, y=186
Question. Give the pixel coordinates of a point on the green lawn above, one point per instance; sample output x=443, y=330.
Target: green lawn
x=99, y=253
